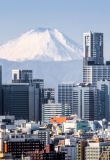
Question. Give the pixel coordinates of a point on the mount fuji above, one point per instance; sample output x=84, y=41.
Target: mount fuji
x=43, y=44
x=51, y=55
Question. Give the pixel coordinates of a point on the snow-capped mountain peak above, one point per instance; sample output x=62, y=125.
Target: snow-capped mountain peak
x=42, y=44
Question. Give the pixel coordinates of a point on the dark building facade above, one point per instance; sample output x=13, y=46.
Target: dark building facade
x=17, y=148
x=45, y=94
x=54, y=156
x=48, y=94
x=46, y=154
x=21, y=100
x=0, y=75
x=22, y=76
x=39, y=84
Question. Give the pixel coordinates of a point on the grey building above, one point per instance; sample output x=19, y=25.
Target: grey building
x=103, y=100
x=22, y=76
x=65, y=93
x=55, y=109
x=94, y=73
x=44, y=136
x=0, y=75
x=93, y=48
x=94, y=68
x=45, y=94
x=21, y=100
x=88, y=103
x=93, y=64
x=39, y=84
x=0, y=89
x=79, y=97
x=48, y=94
x=26, y=76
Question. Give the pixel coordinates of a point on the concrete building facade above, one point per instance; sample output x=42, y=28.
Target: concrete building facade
x=54, y=109
x=79, y=97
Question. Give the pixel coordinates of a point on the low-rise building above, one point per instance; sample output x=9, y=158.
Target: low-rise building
x=93, y=150
x=17, y=148
x=58, y=119
x=70, y=152
x=75, y=125
x=105, y=155
x=44, y=135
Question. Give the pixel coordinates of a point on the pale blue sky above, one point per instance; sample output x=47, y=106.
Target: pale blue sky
x=72, y=17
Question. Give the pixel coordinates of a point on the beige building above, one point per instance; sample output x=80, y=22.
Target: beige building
x=105, y=155
x=94, y=150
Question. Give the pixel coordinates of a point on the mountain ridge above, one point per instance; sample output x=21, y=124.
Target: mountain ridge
x=43, y=44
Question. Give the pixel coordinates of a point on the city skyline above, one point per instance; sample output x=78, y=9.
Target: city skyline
x=72, y=18
x=56, y=56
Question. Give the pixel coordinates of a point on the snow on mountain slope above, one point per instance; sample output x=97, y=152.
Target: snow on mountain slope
x=41, y=44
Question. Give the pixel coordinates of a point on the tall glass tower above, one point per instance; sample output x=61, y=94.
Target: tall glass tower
x=94, y=68
x=0, y=75
x=93, y=48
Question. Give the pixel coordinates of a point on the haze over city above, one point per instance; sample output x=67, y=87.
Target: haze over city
x=72, y=17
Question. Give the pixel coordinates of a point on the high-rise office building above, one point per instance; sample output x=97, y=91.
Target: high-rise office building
x=55, y=109
x=48, y=94
x=39, y=84
x=94, y=73
x=103, y=100
x=45, y=94
x=94, y=68
x=22, y=76
x=0, y=75
x=79, y=97
x=21, y=100
x=0, y=88
x=65, y=93
x=93, y=64
x=93, y=48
